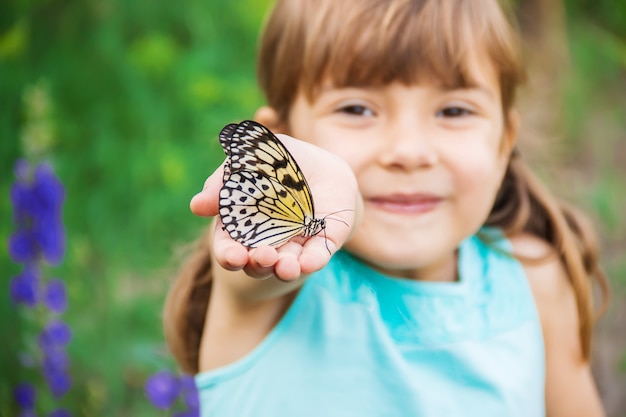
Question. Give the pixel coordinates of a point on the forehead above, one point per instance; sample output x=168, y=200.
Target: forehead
x=405, y=62
x=478, y=73
x=400, y=45
x=455, y=43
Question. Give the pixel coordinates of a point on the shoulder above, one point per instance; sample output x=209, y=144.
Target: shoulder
x=544, y=269
x=553, y=293
x=568, y=374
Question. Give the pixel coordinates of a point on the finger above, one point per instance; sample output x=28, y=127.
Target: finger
x=288, y=266
x=262, y=262
x=339, y=226
x=230, y=254
x=316, y=254
x=318, y=249
x=206, y=202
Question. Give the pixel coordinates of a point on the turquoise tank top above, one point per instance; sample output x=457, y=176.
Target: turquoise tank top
x=358, y=343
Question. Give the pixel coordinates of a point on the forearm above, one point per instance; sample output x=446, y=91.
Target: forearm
x=247, y=289
x=241, y=312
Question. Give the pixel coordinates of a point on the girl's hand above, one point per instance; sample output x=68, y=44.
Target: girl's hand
x=335, y=194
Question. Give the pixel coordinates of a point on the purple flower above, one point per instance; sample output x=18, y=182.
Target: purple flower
x=191, y=400
x=60, y=413
x=25, y=395
x=56, y=333
x=23, y=203
x=24, y=287
x=187, y=383
x=48, y=188
x=162, y=389
x=59, y=381
x=39, y=236
x=190, y=392
x=51, y=239
x=22, y=246
x=55, y=297
x=37, y=214
x=55, y=359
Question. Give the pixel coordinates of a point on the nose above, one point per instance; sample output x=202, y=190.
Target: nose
x=409, y=145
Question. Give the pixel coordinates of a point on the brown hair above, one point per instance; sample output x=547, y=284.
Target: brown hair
x=186, y=304
x=372, y=42
x=375, y=42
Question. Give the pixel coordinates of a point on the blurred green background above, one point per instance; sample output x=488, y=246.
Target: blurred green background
x=126, y=98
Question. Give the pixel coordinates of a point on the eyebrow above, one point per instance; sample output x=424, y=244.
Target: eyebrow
x=477, y=87
x=445, y=89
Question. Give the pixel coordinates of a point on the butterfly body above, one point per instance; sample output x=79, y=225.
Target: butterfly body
x=265, y=199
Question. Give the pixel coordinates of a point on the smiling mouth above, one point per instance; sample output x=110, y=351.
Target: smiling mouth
x=406, y=204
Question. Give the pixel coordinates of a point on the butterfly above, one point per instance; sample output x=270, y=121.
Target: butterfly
x=265, y=199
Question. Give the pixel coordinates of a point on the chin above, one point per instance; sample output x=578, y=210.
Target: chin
x=400, y=256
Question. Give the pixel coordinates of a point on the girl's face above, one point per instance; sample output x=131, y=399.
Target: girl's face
x=429, y=161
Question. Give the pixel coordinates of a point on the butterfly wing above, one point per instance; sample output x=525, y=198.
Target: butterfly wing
x=225, y=135
x=250, y=146
x=256, y=209
x=265, y=198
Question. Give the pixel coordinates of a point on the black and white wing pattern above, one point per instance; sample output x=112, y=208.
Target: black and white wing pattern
x=265, y=199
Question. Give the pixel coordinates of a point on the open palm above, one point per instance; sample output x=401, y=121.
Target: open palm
x=335, y=195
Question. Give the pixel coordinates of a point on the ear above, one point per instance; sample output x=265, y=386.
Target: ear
x=511, y=129
x=269, y=118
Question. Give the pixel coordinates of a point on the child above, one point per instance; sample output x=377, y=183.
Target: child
x=464, y=288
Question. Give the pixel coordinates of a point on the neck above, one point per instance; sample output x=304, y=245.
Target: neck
x=445, y=270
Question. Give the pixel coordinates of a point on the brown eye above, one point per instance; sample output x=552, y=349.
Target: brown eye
x=454, y=112
x=356, y=110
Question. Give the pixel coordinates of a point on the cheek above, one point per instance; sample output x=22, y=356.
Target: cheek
x=478, y=177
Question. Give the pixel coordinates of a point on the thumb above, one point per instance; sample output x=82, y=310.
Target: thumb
x=206, y=202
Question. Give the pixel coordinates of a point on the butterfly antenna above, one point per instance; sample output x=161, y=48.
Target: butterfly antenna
x=326, y=243
x=337, y=220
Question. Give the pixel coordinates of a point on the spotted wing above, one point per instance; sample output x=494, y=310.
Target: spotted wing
x=258, y=210
x=265, y=198
x=251, y=146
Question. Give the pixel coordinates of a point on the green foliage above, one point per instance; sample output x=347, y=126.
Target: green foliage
x=609, y=14
x=596, y=120
x=137, y=93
